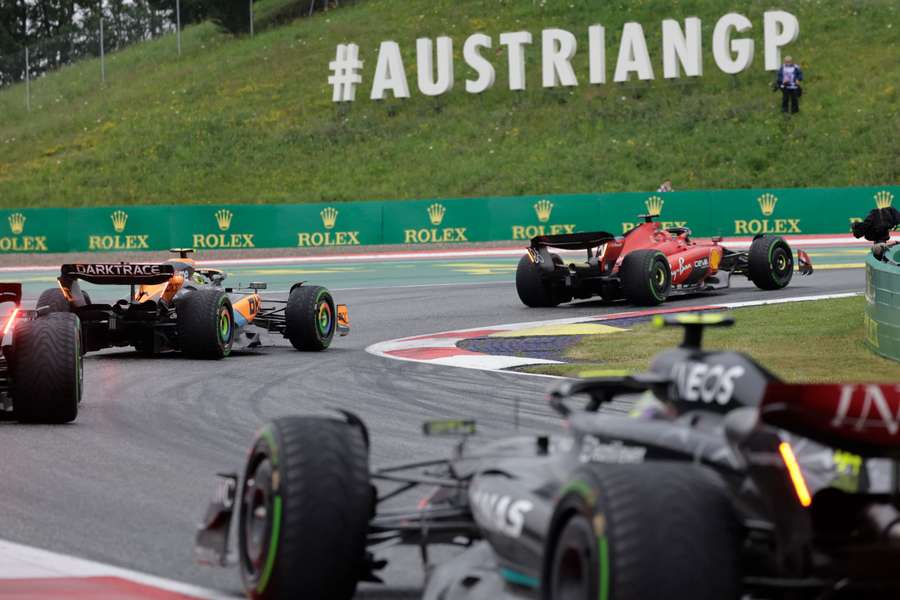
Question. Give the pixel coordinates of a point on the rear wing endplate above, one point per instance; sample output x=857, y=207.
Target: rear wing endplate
x=11, y=292
x=117, y=273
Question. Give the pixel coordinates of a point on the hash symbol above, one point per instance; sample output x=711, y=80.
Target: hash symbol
x=345, y=68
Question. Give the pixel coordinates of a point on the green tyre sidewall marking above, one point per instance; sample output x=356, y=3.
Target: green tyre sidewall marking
x=226, y=342
x=653, y=269
x=267, y=435
x=603, y=557
x=323, y=333
x=273, y=545
x=587, y=493
x=224, y=325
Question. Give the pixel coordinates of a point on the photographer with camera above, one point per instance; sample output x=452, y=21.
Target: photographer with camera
x=877, y=227
x=788, y=79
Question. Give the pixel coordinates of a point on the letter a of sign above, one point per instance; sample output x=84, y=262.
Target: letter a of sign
x=389, y=73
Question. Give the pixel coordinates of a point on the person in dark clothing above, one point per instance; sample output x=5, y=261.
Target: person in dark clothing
x=788, y=79
x=877, y=225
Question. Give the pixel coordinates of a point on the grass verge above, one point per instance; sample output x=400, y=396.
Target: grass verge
x=251, y=119
x=819, y=341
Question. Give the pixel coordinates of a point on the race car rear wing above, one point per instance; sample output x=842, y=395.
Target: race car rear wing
x=573, y=241
x=117, y=273
x=859, y=418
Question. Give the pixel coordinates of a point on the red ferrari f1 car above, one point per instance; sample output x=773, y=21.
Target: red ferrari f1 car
x=647, y=265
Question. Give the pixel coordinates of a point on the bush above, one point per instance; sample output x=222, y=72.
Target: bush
x=232, y=16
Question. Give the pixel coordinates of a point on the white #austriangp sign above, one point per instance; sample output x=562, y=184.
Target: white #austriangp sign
x=681, y=54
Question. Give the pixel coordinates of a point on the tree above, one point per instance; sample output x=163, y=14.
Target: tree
x=231, y=15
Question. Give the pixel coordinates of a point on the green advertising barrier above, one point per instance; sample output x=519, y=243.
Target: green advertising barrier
x=34, y=230
x=726, y=213
x=119, y=229
x=883, y=305
x=435, y=221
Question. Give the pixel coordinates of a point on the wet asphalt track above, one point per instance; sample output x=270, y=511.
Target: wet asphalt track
x=127, y=483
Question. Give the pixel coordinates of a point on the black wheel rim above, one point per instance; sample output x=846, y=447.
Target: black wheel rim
x=255, y=524
x=659, y=278
x=782, y=263
x=574, y=561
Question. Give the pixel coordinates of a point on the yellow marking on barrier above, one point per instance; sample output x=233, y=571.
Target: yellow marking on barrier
x=570, y=329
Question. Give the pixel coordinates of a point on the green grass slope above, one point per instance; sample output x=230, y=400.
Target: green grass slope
x=251, y=120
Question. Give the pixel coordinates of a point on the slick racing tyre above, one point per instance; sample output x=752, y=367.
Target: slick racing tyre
x=205, y=324
x=771, y=263
x=46, y=369
x=54, y=299
x=534, y=291
x=646, y=278
x=305, y=505
x=311, y=318
x=643, y=531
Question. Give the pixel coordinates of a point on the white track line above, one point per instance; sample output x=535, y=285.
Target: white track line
x=18, y=561
x=499, y=363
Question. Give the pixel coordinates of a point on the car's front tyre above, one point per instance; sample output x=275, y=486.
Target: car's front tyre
x=305, y=505
x=770, y=263
x=310, y=318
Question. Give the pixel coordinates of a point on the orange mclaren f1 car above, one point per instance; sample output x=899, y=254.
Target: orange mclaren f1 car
x=177, y=305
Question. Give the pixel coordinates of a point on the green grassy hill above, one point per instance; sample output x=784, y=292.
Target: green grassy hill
x=252, y=120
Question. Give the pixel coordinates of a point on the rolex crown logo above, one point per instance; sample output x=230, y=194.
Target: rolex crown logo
x=883, y=199
x=17, y=223
x=767, y=204
x=436, y=213
x=119, y=219
x=543, y=208
x=654, y=205
x=223, y=218
x=329, y=217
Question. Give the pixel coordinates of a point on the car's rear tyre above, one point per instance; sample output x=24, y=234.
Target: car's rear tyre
x=46, y=369
x=306, y=501
x=534, y=291
x=646, y=277
x=205, y=324
x=54, y=300
x=310, y=318
x=771, y=263
x=650, y=530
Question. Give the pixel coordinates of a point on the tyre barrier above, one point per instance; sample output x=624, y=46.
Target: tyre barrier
x=882, y=318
